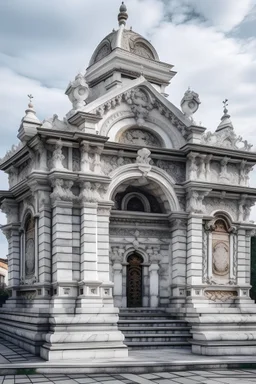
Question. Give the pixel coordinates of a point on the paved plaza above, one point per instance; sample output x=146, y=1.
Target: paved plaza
x=188, y=377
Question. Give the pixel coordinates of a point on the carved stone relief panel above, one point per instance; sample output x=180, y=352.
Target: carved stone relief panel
x=174, y=168
x=65, y=154
x=220, y=252
x=76, y=160
x=16, y=175
x=110, y=163
x=140, y=137
x=218, y=295
x=226, y=173
x=217, y=204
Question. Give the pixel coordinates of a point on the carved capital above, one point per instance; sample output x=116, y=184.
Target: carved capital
x=195, y=201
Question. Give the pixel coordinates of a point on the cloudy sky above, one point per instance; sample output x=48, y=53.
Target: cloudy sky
x=45, y=43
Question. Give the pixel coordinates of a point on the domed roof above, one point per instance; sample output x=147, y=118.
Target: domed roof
x=125, y=39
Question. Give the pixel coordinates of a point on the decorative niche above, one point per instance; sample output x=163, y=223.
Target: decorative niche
x=219, y=251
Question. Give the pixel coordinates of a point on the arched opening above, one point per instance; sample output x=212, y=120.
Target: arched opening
x=134, y=280
x=135, y=204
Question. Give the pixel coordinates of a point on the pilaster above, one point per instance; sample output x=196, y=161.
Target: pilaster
x=103, y=214
x=178, y=262
x=44, y=239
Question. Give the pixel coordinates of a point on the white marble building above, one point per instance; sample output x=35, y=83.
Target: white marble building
x=127, y=202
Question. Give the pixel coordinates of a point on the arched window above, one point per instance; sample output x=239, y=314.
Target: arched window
x=29, y=248
x=135, y=201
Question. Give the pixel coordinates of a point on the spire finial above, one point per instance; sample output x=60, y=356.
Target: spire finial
x=123, y=15
x=30, y=105
x=225, y=110
x=225, y=104
x=225, y=120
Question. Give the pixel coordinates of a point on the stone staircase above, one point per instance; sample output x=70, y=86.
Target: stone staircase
x=150, y=328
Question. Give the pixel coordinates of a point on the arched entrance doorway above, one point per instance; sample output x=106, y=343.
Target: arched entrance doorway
x=134, y=280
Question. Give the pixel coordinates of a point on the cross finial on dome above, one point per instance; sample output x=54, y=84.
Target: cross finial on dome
x=225, y=120
x=30, y=105
x=123, y=15
x=30, y=112
x=225, y=104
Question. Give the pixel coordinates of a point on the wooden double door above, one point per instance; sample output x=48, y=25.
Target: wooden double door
x=134, y=283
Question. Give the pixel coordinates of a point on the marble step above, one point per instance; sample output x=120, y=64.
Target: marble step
x=142, y=316
x=155, y=330
x=152, y=323
x=157, y=337
x=141, y=310
x=158, y=344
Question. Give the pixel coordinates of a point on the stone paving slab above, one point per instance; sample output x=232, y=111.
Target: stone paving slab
x=186, y=377
x=144, y=363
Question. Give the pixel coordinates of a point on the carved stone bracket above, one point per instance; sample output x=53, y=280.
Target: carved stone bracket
x=117, y=254
x=10, y=208
x=244, y=208
x=62, y=190
x=195, y=201
x=92, y=192
x=143, y=160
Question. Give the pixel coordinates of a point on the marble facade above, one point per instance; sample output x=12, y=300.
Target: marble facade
x=127, y=173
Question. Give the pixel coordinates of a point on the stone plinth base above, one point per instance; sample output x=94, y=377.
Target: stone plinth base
x=81, y=351
x=224, y=349
x=224, y=333
x=24, y=327
x=90, y=333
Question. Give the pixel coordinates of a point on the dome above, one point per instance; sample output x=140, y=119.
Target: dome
x=127, y=40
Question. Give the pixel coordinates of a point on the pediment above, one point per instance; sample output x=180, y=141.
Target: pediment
x=139, y=101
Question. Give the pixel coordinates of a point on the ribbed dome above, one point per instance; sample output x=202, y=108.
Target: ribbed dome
x=125, y=39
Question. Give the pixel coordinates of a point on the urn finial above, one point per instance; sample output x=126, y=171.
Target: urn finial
x=123, y=15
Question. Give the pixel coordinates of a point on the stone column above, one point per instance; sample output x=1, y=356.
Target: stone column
x=118, y=283
x=154, y=284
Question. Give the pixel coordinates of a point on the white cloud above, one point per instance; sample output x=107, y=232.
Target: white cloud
x=223, y=14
